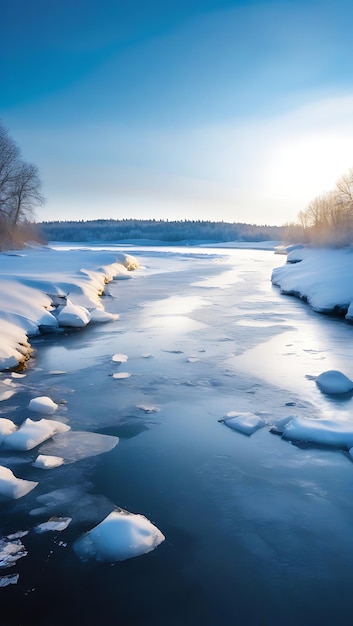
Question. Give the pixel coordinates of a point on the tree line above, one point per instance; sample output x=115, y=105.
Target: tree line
x=110, y=230
x=20, y=193
x=328, y=218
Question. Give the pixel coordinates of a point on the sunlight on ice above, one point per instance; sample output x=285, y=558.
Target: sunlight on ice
x=44, y=461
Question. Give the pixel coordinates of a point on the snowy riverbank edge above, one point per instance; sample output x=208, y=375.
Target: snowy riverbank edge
x=322, y=277
x=42, y=289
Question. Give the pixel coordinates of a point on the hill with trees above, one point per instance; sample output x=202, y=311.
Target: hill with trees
x=125, y=230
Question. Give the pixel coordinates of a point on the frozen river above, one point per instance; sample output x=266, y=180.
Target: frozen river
x=258, y=530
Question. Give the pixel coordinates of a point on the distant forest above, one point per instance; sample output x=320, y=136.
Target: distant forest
x=126, y=230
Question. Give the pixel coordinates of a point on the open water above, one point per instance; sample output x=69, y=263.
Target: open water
x=258, y=530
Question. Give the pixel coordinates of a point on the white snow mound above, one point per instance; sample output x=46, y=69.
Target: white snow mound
x=31, y=434
x=120, y=536
x=73, y=315
x=6, y=428
x=12, y=487
x=42, y=404
x=246, y=423
x=333, y=382
x=336, y=433
x=45, y=461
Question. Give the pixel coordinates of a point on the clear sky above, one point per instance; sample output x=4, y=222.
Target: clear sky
x=179, y=109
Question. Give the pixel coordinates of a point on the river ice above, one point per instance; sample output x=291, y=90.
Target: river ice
x=207, y=337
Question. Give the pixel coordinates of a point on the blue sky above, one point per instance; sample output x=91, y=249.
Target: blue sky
x=204, y=109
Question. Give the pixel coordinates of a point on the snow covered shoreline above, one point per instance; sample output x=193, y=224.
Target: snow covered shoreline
x=42, y=289
x=322, y=277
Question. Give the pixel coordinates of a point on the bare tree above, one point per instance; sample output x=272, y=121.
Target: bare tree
x=20, y=188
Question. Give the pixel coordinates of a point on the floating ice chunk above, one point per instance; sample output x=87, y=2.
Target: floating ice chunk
x=6, y=428
x=45, y=461
x=53, y=524
x=148, y=408
x=7, y=389
x=31, y=434
x=11, y=579
x=18, y=535
x=73, y=315
x=11, y=551
x=246, y=423
x=334, y=382
x=12, y=487
x=42, y=404
x=337, y=433
x=118, y=537
x=120, y=358
x=75, y=445
x=122, y=375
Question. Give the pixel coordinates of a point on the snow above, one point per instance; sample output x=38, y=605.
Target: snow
x=42, y=404
x=334, y=382
x=323, y=277
x=73, y=315
x=36, y=297
x=12, y=487
x=120, y=536
x=336, y=433
x=45, y=461
x=246, y=423
x=31, y=434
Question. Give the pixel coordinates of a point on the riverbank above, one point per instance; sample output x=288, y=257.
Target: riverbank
x=322, y=277
x=44, y=290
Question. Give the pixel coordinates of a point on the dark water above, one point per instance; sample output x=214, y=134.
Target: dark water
x=258, y=531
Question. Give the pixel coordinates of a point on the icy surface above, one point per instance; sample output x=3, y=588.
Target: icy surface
x=118, y=537
x=246, y=423
x=42, y=404
x=12, y=487
x=334, y=382
x=31, y=434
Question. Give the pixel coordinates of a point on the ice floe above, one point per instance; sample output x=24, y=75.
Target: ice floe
x=31, y=434
x=6, y=428
x=246, y=423
x=45, y=461
x=122, y=375
x=76, y=445
x=336, y=433
x=53, y=524
x=120, y=358
x=334, y=382
x=120, y=536
x=11, y=550
x=12, y=487
x=42, y=404
x=10, y=579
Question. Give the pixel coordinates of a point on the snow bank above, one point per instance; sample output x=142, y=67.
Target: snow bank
x=31, y=434
x=118, y=537
x=12, y=487
x=334, y=382
x=246, y=423
x=36, y=296
x=336, y=433
x=323, y=277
